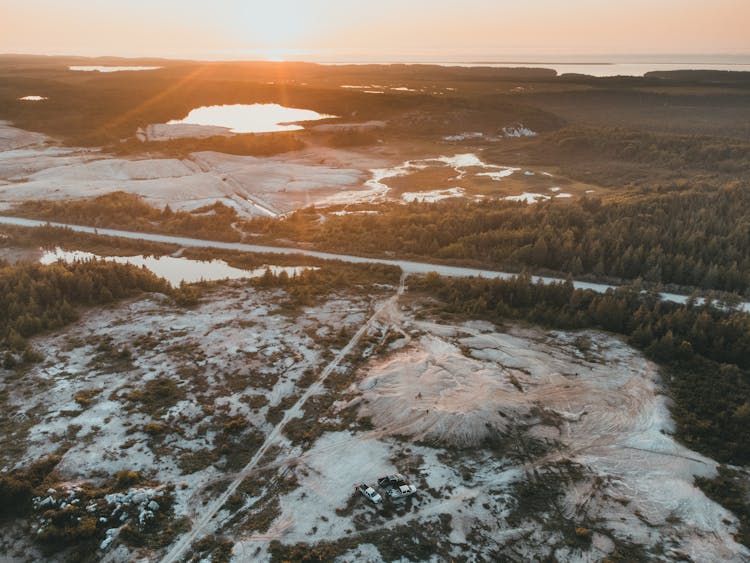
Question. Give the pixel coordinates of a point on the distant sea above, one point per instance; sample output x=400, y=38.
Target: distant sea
x=616, y=66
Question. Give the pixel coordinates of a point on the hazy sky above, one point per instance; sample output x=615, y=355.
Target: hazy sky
x=373, y=29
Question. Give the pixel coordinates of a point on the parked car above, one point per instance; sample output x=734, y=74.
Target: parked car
x=391, y=480
x=369, y=493
x=402, y=491
x=396, y=486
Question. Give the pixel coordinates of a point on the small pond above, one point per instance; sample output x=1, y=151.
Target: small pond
x=251, y=118
x=111, y=68
x=174, y=270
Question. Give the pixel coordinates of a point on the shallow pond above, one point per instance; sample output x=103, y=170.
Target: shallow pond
x=174, y=270
x=111, y=68
x=251, y=118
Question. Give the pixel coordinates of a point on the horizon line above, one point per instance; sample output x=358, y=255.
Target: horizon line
x=559, y=59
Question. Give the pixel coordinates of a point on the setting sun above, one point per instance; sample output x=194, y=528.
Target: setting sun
x=275, y=25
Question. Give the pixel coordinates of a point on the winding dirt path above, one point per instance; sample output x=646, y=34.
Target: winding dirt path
x=200, y=526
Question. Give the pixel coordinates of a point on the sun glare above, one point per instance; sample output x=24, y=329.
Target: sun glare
x=276, y=26
x=277, y=55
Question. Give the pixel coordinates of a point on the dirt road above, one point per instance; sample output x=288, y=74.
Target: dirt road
x=201, y=525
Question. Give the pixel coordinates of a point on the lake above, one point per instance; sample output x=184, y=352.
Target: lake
x=111, y=68
x=251, y=118
x=174, y=270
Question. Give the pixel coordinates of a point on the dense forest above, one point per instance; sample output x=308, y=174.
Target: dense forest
x=704, y=351
x=693, y=237
x=35, y=298
x=617, y=157
x=104, y=109
x=675, y=152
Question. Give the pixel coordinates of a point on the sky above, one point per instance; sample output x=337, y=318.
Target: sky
x=376, y=30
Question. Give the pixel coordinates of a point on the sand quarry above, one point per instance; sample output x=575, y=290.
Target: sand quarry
x=588, y=396
x=34, y=167
x=584, y=398
x=479, y=417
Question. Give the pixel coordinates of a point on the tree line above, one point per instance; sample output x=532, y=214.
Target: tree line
x=697, y=237
x=122, y=210
x=36, y=298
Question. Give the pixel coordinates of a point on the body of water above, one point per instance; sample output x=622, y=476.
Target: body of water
x=251, y=118
x=610, y=69
x=174, y=270
x=577, y=65
x=111, y=68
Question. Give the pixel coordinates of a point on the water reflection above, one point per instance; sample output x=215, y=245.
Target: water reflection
x=111, y=68
x=174, y=270
x=250, y=118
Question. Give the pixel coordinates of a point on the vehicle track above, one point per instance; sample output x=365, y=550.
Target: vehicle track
x=210, y=511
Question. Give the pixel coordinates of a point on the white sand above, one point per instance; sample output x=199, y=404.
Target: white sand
x=32, y=168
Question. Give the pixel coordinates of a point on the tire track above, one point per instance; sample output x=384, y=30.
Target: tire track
x=209, y=512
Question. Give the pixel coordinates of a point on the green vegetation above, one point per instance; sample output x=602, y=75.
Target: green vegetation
x=730, y=489
x=414, y=541
x=156, y=396
x=130, y=212
x=73, y=519
x=91, y=110
x=17, y=487
x=352, y=138
x=693, y=237
x=615, y=157
x=247, y=145
x=669, y=154
x=213, y=549
x=36, y=298
x=312, y=285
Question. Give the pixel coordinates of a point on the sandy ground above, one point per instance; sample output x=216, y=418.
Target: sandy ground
x=217, y=353
x=595, y=401
x=32, y=167
x=456, y=385
x=433, y=393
